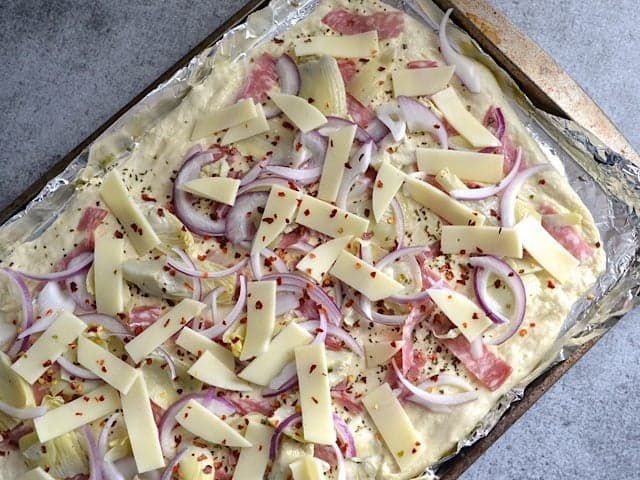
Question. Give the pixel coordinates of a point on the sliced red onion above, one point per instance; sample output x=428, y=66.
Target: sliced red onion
x=285, y=302
x=301, y=246
x=485, y=265
x=495, y=122
x=364, y=308
x=404, y=299
x=486, y=192
x=398, y=253
x=289, y=384
x=77, y=287
x=240, y=228
x=442, y=380
x=276, y=262
x=263, y=183
x=39, y=326
x=304, y=176
x=27, y=413
x=283, y=382
x=465, y=67
x=52, y=300
x=390, y=115
x=398, y=214
x=108, y=468
x=197, y=283
x=105, y=321
x=316, y=145
x=357, y=165
x=420, y=118
x=342, y=429
x=75, y=370
x=277, y=434
x=212, y=300
x=84, y=261
x=288, y=75
x=299, y=154
x=376, y=130
x=233, y=316
x=168, y=471
x=508, y=200
x=170, y=363
x=314, y=326
x=363, y=184
x=253, y=173
x=95, y=468
x=321, y=328
x=192, y=272
x=336, y=123
x=342, y=474
x=26, y=319
x=255, y=260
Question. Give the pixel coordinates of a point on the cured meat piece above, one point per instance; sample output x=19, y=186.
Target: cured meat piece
x=566, y=235
x=422, y=64
x=348, y=69
x=262, y=78
x=387, y=24
x=359, y=113
x=141, y=317
x=91, y=219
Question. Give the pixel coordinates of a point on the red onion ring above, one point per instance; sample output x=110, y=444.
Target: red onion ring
x=283, y=382
x=105, y=321
x=108, y=468
x=170, y=363
x=420, y=118
x=345, y=435
x=398, y=253
x=508, y=200
x=197, y=283
x=27, y=311
x=364, y=308
x=233, y=316
x=75, y=370
x=23, y=413
x=336, y=123
x=342, y=474
x=167, y=474
x=314, y=326
x=357, y=165
x=304, y=176
x=253, y=173
x=84, y=261
x=277, y=262
x=407, y=339
x=192, y=272
x=301, y=246
x=376, y=130
x=316, y=144
x=396, y=126
x=264, y=183
x=288, y=75
x=465, y=68
x=240, y=229
x=95, y=470
x=285, y=302
x=277, y=434
x=212, y=300
x=77, y=287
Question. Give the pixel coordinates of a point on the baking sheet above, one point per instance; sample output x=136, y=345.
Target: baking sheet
x=607, y=182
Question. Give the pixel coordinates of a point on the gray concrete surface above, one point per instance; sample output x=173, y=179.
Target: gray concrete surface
x=66, y=66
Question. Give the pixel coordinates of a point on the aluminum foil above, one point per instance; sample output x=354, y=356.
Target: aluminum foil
x=608, y=183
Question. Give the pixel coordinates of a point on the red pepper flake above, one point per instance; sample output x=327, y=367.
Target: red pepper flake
x=145, y=197
x=307, y=212
x=268, y=220
x=259, y=305
x=281, y=194
x=78, y=414
x=315, y=400
x=598, y=244
x=550, y=284
x=160, y=212
x=475, y=315
x=379, y=184
x=522, y=332
x=532, y=324
x=373, y=274
x=333, y=213
x=47, y=363
x=312, y=368
x=358, y=265
x=542, y=181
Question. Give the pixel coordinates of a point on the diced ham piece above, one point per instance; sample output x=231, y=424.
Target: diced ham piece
x=246, y=405
x=359, y=113
x=262, y=78
x=158, y=412
x=422, y=64
x=141, y=317
x=342, y=396
x=408, y=326
x=91, y=218
x=333, y=343
x=567, y=236
x=387, y=24
x=325, y=453
x=347, y=68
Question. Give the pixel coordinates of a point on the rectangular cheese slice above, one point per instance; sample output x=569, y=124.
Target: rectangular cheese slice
x=138, y=229
x=463, y=313
x=394, y=425
x=141, y=427
x=67, y=417
x=338, y=149
x=218, y=189
x=476, y=166
x=329, y=219
x=379, y=353
x=53, y=342
x=247, y=129
x=165, y=326
x=345, y=46
x=368, y=280
x=211, y=122
x=442, y=204
x=315, y=398
x=206, y=425
x=37, y=474
x=420, y=81
x=301, y=113
x=546, y=250
x=196, y=344
x=279, y=212
x=374, y=72
x=503, y=242
x=210, y=370
x=307, y=467
x=280, y=352
x=120, y=375
x=253, y=460
x=261, y=318
x=318, y=261
x=388, y=181
x=107, y=270
x=459, y=117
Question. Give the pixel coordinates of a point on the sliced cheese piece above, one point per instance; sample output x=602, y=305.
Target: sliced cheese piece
x=279, y=212
x=368, y=280
x=476, y=166
x=141, y=427
x=210, y=370
x=303, y=115
x=253, y=460
x=211, y=122
x=120, y=375
x=107, y=267
x=373, y=73
x=459, y=117
x=388, y=181
x=379, y=353
x=345, y=46
x=462, y=312
x=307, y=467
x=261, y=318
x=208, y=426
x=218, y=189
x=126, y=210
x=165, y=326
x=329, y=219
x=266, y=366
x=196, y=344
x=67, y=417
x=442, y=204
x=247, y=129
x=315, y=398
x=394, y=425
x=448, y=181
x=53, y=342
x=420, y=81
x=546, y=250
x=562, y=219
x=503, y=242
x=37, y=474
x=338, y=149
x=318, y=261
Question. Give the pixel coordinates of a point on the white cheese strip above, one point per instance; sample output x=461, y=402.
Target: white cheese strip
x=563, y=219
x=369, y=79
x=37, y=474
x=206, y=425
x=462, y=312
x=329, y=219
x=280, y=352
x=120, y=375
x=261, y=318
x=338, y=149
x=248, y=129
x=421, y=81
x=196, y=344
x=279, y=212
x=69, y=416
x=126, y=210
x=503, y=242
x=315, y=398
x=301, y=113
x=459, y=117
x=394, y=425
x=476, y=166
x=53, y=342
x=368, y=280
x=388, y=181
x=318, y=261
x=379, y=353
x=345, y=46
x=253, y=460
x=141, y=427
x=307, y=467
x=211, y=122
x=442, y=204
x=210, y=370
x=546, y=250
x=160, y=331
x=448, y=181
x=218, y=189
x=107, y=268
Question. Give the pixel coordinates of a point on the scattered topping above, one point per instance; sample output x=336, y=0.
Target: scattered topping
x=211, y=122
x=210, y=370
x=253, y=460
x=201, y=422
x=261, y=318
x=107, y=268
x=462, y=312
x=104, y=364
x=371, y=282
x=387, y=24
x=504, y=242
x=318, y=261
x=327, y=219
x=388, y=181
x=279, y=212
x=475, y=166
x=247, y=129
x=347, y=46
x=421, y=81
x=334, y=162
x=218, y=189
